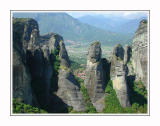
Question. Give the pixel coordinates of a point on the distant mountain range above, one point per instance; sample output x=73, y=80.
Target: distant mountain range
x=113, y=24
x=85, y=29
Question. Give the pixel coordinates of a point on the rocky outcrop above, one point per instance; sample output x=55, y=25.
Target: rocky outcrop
x=35, y=54
x=118, y=75
x=69, y=90
x=34, y=77
x=139, y=52
x=95, y=76
x=42, y=75
x=22, y=40
x=21, y=80
x=68, y=87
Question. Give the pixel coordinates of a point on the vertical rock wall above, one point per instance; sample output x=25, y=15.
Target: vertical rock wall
x=140, y=52
x=33, y=61
x=21, y=80
x=68, y=87
x=25, y=32
x=95, y=79
x=118, y=75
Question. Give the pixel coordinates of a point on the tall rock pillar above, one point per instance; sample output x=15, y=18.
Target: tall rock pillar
x=95, y=80
x=118, y=76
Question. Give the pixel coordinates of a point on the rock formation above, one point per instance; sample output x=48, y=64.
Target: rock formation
x=95, y=78
x=118, y=75
x=69, y=90
x=34, y=78
x=127, y=54
x=21, y=80
x=139, y=52
x=22, y=39
x=128, y=62
x=42, y=75
x=68, y=87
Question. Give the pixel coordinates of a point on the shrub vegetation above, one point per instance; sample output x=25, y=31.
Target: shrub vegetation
x=89, y=106
x=56, y=65
x=19, y=107
x=138, y=96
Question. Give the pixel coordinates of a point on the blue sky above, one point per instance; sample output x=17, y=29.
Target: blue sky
x=125, y=14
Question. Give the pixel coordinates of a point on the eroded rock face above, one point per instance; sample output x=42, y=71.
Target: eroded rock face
x=64, y=55
x=118, y=76
x=25, y=33
x=33, y=60
x=95, y=78
x=139, y=52
x=94, y=52
x=21, y=80
x=69, y=90
x=68, y=87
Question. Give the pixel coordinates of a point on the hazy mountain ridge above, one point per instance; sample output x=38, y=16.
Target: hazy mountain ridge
x=74, y=30
x=113, y=24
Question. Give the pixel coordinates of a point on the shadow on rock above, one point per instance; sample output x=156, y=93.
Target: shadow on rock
x=57, y=105
x=106, y=67
x=134, y=96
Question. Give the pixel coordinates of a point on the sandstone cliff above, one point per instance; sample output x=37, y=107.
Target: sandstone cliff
x=139, y=52
x=21, y=80
x=34, y=77
x=68, y=87
x=22, y=39
x=118, y=75
x=95, y=76
x=42, y=75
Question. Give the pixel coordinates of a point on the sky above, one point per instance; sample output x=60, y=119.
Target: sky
x=125, y=14
x=121, y=14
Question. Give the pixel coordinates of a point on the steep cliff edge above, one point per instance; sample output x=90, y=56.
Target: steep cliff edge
x=118, y=75
x=22, y=38
x=140, y=52
x=40, y=68
x=95, y=76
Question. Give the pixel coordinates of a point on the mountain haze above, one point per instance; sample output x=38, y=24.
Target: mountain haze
x=113, y=24
x=74, y=30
